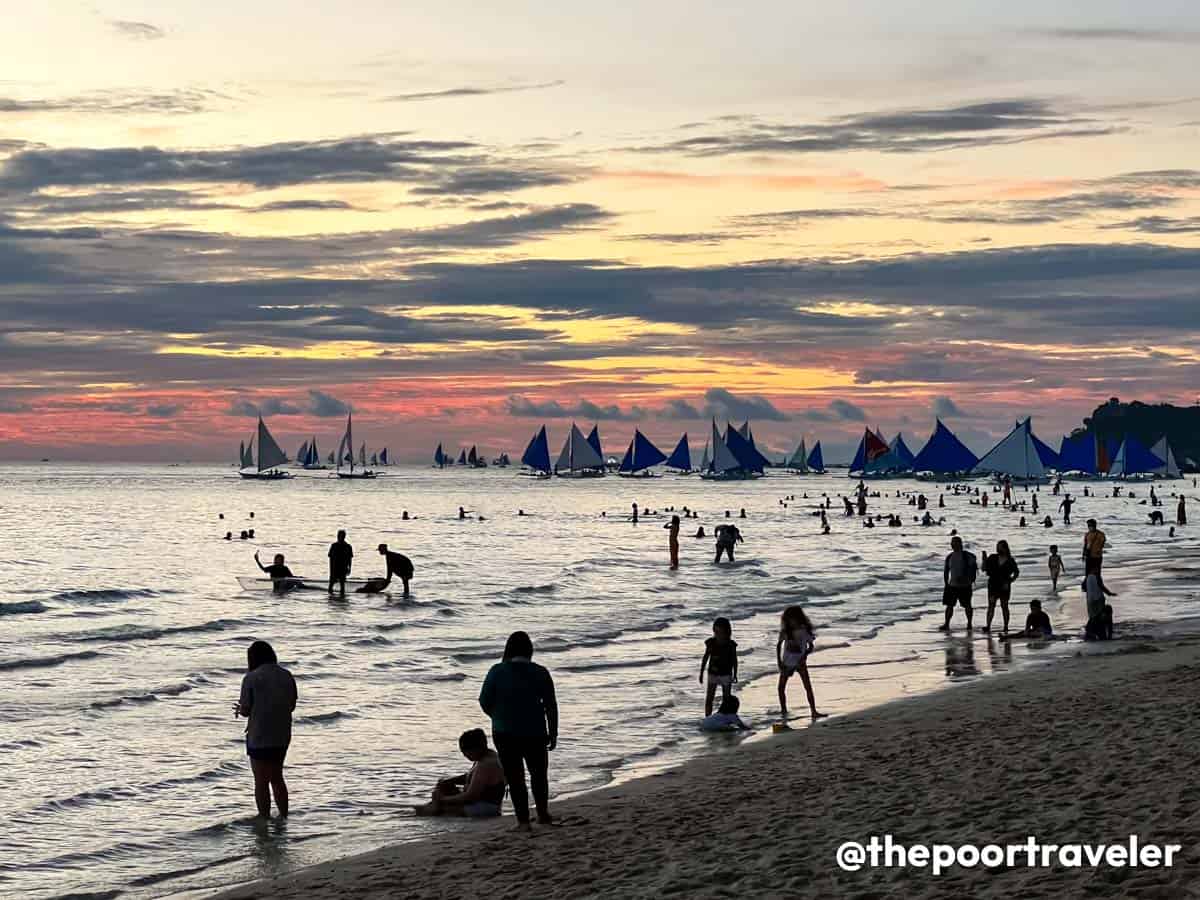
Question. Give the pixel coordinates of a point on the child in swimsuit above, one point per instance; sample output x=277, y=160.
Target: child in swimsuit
x=791, y=652
x=1056, y=565
x=719, y=662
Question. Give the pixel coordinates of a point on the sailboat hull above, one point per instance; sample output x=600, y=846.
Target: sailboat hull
x=272, y=475
x=357, y=475
x=581, y=473
x=730, y=476
x=644, y=474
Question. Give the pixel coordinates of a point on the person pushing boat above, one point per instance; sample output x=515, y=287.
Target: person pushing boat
x=281, y=576
x=398, y=565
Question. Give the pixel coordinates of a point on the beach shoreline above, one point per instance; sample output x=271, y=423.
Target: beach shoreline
x=975, y=764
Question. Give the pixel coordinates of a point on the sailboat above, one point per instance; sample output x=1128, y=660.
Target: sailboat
x=462, y=457
x=440, y=460
x=733, y=459
x=537, y=456
x=475, y=460
x=705, y=459
x=301, y=454
x=345, y=454
x=312, y=459
x=1016, y=456
x=1169, y=468
x=1083, y=455
x=875, y=458
x=330, y=459
x=816, y=459
x=502, y=461
x=943, y=454
x=383, y=457
x=374, y=459
x=270, y=457
x=1133, y=460
x=680, y=459
x=579, y=458
x=640, y=456
x=799, y=460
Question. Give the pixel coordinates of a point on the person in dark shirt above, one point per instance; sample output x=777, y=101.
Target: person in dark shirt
x=280, y=574
x=1037, y=624
x=398, y=565
x=341, y=555
x=720, y=662
x=1001, y=570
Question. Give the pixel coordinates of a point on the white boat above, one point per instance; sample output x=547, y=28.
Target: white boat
x=287, y=585
x=270, y=457
x=346, y=454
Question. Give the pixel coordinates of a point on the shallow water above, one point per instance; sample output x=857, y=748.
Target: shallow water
x=123, y=637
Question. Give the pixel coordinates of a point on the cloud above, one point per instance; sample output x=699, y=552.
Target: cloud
x=163, y=410
x=267, y=406
x=300, y=205
x=325, y=405
x=1158, y=225
x=945, y=408
x=997, y=122
x=138, y=31
x=492, y=180
x=14, y=406
x=182, y=101
x=1141, y=35
x=679, y=409
x=847, y=411
x=470, y=92
x=721, y=404
x=523, y=407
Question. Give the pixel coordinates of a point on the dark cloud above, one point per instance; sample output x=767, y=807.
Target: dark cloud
x=523, y=407
x=721, y=404
x=679, y=409
x=900, y=131
x=492, y=180
x=116, y=202
x=266, y=406
x=847, y=411
x=470, y=92
x=1141, y=35
x=14, y=406
x=1159, y=225
x=138, y=31
x=300, y=205
x=163, y=410
x=325, y=405
x=175, y=102
x=945, y=408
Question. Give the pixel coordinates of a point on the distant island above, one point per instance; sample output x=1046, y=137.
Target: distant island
x=1148, y=422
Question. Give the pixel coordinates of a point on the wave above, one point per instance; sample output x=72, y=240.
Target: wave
x=22, y=606
x=103, y=594
x=134, y=633
x=43, y=662
x=873, y=662
x=325, y=718
x=170, y=690
x=536, y=589
x=613, y=664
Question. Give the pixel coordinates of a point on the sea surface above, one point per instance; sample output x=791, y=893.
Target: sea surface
x=123, y=635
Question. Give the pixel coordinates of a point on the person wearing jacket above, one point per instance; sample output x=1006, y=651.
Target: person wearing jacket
x=518, y=696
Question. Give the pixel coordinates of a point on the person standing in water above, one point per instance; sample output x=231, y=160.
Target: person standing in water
x=1002, y=571
x=518, y=696
x=280, y=574
x=397, y=564
x=719, y=662
x=341, y=556
x=796, y=636
x=959, y=575
x=267, y=700
x=1093, y=548
x=673, y=540
x=727, y=536
x=634, y=517
x=1065, y=508
x=1181, y=511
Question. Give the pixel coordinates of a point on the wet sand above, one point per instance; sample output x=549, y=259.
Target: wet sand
x=1094, y=748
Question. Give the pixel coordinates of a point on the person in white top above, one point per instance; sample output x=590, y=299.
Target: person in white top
x=267, y=701
x=791, y=652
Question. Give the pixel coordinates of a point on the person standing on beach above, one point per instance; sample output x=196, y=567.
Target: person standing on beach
x=958, y=574
x=673, y=540
x=1065, y=508
x=796, y=637
x=1093, y=548
x=518, y=696
x=720, y=662
x=267, y=700
x=341, y=556
x=1002, y=571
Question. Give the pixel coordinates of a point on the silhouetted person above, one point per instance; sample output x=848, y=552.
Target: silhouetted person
x=727, y=536
x=1065, y=508
x=341, y=556
x=1181, y=511
x=673, y=540
x=398, y=565
x=959, y=573
x=267, y=700
x=518, y=696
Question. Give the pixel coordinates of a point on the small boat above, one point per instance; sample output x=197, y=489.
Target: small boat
x=680, y=460
x=462, y=457
x=287, y=585
x=383, y=457
x=640, y=456
x=312, y=459
x=536, y=457
x=475, y=460
x=440, y=459
x=1016, y=457
x=734, y=456
x=579, y=457
x=501, y=461
x=270, y=458
x=346, y=454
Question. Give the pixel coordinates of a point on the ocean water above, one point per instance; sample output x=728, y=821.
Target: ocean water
x=123, y=635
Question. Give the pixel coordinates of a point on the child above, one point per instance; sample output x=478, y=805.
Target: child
x=1056, y=566
x=720, y=662
x=791, y=652
x=726, y=718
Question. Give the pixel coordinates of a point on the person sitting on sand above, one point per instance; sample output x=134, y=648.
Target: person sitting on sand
x=478, y=793
x=277, y=570
x=727, y=536
x=720, y=662
x=726, y=717
x=796, y=637
x=1037, y=624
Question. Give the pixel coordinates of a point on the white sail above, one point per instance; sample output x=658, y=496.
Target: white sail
x=577, y=453
x=1016, y=455
x=704, y=460
x=346, y=446
x=269, y=453
x=362, y=454
x=723, y=460
x=1169, y=468
x=247, y=455
x=799, y=460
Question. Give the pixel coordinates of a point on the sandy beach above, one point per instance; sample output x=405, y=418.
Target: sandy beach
x=1093, y=749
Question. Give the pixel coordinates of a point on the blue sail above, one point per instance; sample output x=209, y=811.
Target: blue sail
x=537, y=454
x=1112, y=446
x=1133, y=458
x=748, y=458
x=439, y=457
x=816, y=461
x=383, y=459
x=903, y=454
x=944, y=453
x=593, y=438
x=860, y=456
x=681, y=456
x=1045, y=453
x=1078, y=454
x=641, y=454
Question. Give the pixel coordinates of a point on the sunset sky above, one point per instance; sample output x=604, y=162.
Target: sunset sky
x=464, y=222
